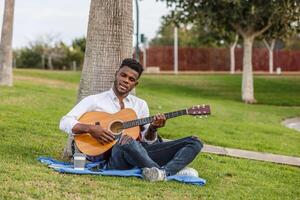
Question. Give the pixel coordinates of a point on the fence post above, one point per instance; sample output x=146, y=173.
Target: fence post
x=175, y=50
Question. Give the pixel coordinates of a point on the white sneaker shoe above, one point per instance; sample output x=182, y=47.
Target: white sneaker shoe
x=154, y=174
x=188, y=171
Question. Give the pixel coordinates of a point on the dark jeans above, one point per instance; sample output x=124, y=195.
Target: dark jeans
x=171, y=156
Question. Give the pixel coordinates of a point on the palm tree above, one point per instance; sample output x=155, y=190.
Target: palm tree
x=109, y=40
x=6, y=44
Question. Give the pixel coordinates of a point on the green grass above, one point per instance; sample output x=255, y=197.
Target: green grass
x=30, y=112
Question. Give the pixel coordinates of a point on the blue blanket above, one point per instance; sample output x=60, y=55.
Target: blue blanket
x=66, y=167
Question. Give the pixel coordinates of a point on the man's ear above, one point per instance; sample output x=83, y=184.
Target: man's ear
x=136, y=83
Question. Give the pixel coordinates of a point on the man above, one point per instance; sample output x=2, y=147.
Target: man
x=157, y=159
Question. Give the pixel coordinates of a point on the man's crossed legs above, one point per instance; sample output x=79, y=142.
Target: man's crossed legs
x=157, y=160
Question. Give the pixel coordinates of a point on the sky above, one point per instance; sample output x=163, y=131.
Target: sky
x=68, y=19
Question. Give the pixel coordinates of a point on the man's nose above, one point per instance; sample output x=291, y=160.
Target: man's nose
x=126, y=80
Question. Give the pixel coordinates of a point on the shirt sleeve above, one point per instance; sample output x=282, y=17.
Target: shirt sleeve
x=68, y=121
x=145, y=113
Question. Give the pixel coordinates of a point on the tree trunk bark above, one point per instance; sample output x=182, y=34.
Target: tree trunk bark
x=43, y=61
x=271, y=53
x=232, y=54
x=6, y=74
x=271, y=67
x=247, y=82
x=50, y=65
x=109, y=40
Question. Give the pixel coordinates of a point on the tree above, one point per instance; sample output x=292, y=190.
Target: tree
x=250, y=19
x=293, y=42
x=283, y=28
x=200, y=33
x=189, y=35
x=46, y=53
x=28, y=57
x=109, y=40
x=6, y=74
x=79, y=43
x=270, y=48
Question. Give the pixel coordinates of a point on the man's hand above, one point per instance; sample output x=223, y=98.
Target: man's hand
x=125, y=139
x=103, y=136
x=159, y=121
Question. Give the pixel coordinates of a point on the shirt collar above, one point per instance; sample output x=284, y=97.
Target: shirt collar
x=115, y=98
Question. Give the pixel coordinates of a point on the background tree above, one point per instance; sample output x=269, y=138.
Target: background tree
x=38, y=52
x=250, y=19
x=197, y=34
x=6, y=74
x=293, y=42
x=79, y=43
x=283, y=28
x=189, y=35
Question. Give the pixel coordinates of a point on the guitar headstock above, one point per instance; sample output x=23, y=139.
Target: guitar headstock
x=199, y=110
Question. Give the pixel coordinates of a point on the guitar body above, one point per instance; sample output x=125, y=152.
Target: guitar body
x=89, y=145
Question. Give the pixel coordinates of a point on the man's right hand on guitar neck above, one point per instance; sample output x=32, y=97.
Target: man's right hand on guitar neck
x=103, y=136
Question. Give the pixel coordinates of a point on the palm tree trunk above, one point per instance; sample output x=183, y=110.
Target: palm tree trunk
x=109, y=40
x=247, y=82
x=6, y=74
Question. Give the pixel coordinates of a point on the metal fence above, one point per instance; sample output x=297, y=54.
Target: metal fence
x=218, y=59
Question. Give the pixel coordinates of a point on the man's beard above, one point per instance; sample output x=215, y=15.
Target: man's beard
x=116, y=86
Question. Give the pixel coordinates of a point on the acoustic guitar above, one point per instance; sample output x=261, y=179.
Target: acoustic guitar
x=123, y=122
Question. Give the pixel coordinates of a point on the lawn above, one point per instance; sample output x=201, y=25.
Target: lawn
x=30, y=112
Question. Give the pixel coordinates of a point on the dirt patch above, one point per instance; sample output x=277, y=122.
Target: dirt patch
x=293, y=123
x=47, y=82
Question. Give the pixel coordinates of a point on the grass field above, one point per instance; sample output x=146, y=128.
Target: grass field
x=30, y=112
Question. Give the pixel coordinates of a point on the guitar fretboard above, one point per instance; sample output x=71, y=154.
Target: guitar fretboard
x=147, y=120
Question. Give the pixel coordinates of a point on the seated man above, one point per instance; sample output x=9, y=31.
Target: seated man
x=157, y=159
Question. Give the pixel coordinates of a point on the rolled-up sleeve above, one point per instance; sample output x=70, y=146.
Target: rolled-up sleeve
x=68, y=121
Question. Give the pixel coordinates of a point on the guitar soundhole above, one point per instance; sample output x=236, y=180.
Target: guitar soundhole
x=116, y=127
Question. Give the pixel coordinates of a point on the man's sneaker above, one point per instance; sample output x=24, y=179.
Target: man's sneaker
x=188, y=171
x=154, y=174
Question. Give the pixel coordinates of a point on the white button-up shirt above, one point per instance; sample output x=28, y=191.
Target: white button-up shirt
x=105, y=102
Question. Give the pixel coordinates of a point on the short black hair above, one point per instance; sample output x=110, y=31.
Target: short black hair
x=132, y=64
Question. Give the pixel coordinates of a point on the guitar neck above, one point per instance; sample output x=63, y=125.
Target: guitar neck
x=147, y=120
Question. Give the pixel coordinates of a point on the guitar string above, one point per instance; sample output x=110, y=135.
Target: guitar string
x=147, y=120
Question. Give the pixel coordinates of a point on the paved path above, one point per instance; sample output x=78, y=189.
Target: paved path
x=293, y=123
x=275, y=158
x=253, y=155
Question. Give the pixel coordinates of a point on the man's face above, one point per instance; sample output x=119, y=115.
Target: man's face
x=126, y=79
